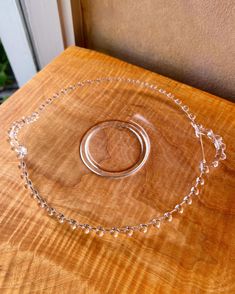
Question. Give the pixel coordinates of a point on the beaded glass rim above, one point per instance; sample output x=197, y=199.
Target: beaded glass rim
x=204, y=166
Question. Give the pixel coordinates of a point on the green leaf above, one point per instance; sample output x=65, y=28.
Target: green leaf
x=3, y=78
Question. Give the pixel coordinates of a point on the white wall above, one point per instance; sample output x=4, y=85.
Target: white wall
x=15, y=40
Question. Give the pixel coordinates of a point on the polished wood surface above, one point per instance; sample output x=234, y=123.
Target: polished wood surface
x=193, y=254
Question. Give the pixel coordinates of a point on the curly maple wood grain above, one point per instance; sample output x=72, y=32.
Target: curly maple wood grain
x=193, y=254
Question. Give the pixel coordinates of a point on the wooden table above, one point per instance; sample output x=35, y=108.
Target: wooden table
x=192, y=254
